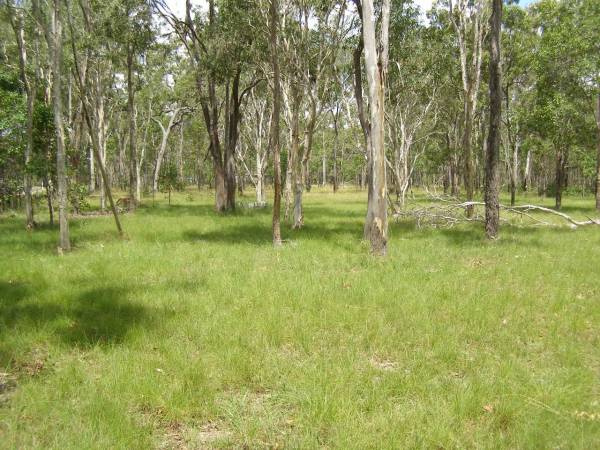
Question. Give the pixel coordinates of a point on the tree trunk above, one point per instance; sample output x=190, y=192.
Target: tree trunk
x=335, y=149
x=294, y=160
x=274, y=26
x=469, y=175
x=598, y=152
x=561, y=172
x=514, y=177
x=376, y=221
x=61, y=168
x=492, y=175
x=163, y=146
x=131, y=111
x=260, y=189
x=220, y=190
x=16, y=20
x=180, y=156
x=528, y=171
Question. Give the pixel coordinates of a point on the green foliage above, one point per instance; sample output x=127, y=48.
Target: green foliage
x=78, y=197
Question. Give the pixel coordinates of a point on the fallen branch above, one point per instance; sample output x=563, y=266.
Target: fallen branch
x=447, y=214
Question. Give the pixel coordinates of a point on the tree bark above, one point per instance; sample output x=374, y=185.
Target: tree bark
x=492, y=175
x=376, y=226
x=598, y=152
x=131, y=111
x=274, y=26
x=561, y=171
x=18, y=26
x=61, y=168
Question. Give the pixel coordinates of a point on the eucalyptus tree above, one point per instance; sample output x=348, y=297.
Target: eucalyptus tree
x=54, y=35
x=376, y=64
x=274, y=30
x=562, y=113
x=518, y=42
x=219, y=45
x=255, y=134
x=469, y=21
x=92, y=71
x=492, y=181
x=414, y=83
x=129, y=23
x=16, y=15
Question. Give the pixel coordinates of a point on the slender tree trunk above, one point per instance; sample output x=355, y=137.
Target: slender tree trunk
x=492, y=175
x=274, y=31
x=180, y=156
x=514, y=177
x=259, y=177
x=598, y=150
x=163, y=146
x=324, y=169
x=469, y=175
x=528, y=171
x=131, y=111
x=92, y=180
x=335, y=150
x=48, y=186
x=376, y=226
x=16, y=20
x=561, y=169
x=294, y=160
x=61, y=167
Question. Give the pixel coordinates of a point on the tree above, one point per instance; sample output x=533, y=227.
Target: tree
x=274, y=138
x=376, y=67
x=56, y=48
x=468, y=19
x=17, y=21
x=492, y=181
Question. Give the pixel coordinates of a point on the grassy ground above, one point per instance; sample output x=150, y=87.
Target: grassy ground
x=196, y=333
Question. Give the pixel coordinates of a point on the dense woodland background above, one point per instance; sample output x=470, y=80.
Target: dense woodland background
x=130, y=96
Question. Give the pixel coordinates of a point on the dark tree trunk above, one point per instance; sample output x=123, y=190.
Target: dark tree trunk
x=492, y=176
x=561, y=175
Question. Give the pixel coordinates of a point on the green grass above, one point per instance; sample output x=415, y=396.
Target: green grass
x=196, y=333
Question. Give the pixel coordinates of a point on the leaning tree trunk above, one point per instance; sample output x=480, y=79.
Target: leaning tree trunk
x=61, y=167
x=163, y=146
x=492, y=175
x=274, y=25
x=376, y=226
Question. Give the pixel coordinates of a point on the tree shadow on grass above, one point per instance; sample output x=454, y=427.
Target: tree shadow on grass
x=94, y=316
x=102, y=316
x=260, y=234
x=473, y=235
x=255, y=234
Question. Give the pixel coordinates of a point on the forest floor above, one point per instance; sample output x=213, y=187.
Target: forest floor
x=196, y=333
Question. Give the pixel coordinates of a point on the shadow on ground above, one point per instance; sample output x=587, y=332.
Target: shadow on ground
x=96, y=316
